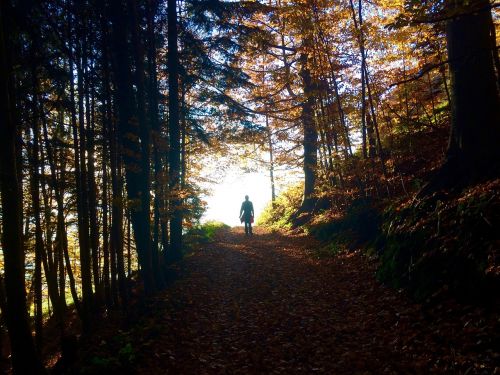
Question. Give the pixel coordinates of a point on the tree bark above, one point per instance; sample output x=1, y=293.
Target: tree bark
x=130, y=136
x=174, y=154
x=310, y=141
x=475, y=105
x=153, y=118
x=271, y=160
x=24, y=356
x=81, y=193
x=473, y=151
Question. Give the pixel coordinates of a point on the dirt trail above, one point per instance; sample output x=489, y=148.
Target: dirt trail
x=264, y=304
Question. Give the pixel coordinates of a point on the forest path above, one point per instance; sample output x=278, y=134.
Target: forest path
x=264, y=304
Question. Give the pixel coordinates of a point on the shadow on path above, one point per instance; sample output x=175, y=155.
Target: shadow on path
x=263, y=304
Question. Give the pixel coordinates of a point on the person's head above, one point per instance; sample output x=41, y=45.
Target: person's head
x=246, y=197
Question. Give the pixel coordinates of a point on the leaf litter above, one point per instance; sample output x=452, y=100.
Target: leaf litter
x=266, y=305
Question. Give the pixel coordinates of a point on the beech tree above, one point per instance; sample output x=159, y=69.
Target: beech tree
x=473, y=150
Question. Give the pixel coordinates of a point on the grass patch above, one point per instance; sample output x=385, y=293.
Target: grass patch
x=277, y=215
x=203, y=233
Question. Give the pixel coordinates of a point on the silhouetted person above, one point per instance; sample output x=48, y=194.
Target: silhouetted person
x=246, y=214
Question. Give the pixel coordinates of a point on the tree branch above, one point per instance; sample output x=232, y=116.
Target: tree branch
x=425, y=70
x=454, y=15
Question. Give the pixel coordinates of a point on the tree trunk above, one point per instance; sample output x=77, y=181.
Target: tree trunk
x=310, y=141
x=271, y=160
x=174, y=154
x=24, y=356
x=130, y=115
x=361, y=43
x=153, y=118
x=92, y=189
x=151, y=274
x=475, y=128
x=35, y=198
x=116, y=246
x=82, y=196
x=105, y=202
x=130, y=151
x=473, y=150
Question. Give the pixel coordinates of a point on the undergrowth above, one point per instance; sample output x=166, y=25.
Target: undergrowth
x=202, y=234
x=277, y=215
x=444, y=244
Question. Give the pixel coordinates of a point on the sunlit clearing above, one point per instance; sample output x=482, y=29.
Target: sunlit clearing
x=225, y=202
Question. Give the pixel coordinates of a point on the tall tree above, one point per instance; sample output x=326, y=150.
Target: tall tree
x=310, y=140
x=24, y=356
x=134, y=138
x=174, y=152
x=475, y=127
x=473, y=150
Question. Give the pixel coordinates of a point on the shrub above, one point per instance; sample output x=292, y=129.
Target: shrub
x=277, y=215
x=203, y=233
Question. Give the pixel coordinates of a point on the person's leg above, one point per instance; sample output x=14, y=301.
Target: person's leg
x=250, y=227
x=246, y=226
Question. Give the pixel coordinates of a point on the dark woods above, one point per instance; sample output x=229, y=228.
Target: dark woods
x=79, y=90
x=95, y=137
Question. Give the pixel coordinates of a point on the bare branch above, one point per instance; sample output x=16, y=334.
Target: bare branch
x=420, y=74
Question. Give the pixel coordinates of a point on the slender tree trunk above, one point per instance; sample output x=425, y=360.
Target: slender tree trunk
x=116, y=244
x=37, y=282
x=175, y=251
x=271, y=160
x=442, y=70
x=153, y=118
x=107, y=123
x=82, y=198
x=117, y=268
x=92, y=188
x=143, y=238
x=35, y=198
x=361, y=44
x=184, y=138
x=375, y=122
x=310, y=141
x=104, y=199
x=131, y=138
x=327, y=134
x=127, y=148
x=61, y=235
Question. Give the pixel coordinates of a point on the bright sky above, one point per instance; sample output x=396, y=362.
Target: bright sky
x=244, y=170
x=225, y=202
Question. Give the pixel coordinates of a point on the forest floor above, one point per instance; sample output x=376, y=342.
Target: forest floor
x=267, y=304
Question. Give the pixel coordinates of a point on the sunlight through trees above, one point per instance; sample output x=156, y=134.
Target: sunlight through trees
x=124, y=122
